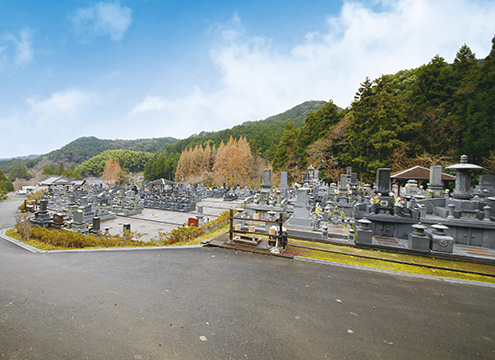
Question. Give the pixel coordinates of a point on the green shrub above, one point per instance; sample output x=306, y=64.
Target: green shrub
x=71, y=239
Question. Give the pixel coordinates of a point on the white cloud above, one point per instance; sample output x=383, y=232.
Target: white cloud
x=150, y=103
x=61, y=107
x=48, y=123
x=102, y=19
x=21, y=48
x=257, y=79
x=178, y=117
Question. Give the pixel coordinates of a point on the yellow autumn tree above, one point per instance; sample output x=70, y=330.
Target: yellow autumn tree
x=234, y=162
x=183, y=166
x=193, y=163
x=112, y=171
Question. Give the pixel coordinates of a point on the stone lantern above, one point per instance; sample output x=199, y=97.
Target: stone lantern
x=463, y=178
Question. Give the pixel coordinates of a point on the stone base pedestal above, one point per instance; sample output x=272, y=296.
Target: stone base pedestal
x=442, y=243
x=419, y=243
x=364, y=237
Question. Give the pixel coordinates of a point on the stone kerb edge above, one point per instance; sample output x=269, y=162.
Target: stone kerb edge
x=37, y=251
x=20, y=244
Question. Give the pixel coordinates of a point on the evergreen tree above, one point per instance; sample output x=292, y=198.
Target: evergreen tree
x=19, y=172
x=161, y=166
x=378, y=127
x=5, y=185
x=480, y=118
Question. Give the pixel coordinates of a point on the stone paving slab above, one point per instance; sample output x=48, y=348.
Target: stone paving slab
x=152, y=221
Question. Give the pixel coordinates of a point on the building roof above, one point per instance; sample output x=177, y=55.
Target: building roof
x=54, y=180
x=60, y=180
x=161, y=182
x=418, y=173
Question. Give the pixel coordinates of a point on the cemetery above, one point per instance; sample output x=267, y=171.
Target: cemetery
x=405, y=218
x=156, y=207
x=394, y=213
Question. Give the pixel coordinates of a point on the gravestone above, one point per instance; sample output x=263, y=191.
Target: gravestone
x=302, y=217
x=57, y=221
x=383, y=180
x=267, y=173
x=96, y=224
x=411, y=187
x=284, y=186
x=78, y=217
x=486, y=186
x=84, y=201
x=385, y=204
x=311, y=172
x=41, y=217
x=266, y=185
x=435, y=187
x=200, y=216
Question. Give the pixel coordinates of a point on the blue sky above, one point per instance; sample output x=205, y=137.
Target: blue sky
x=149, y=68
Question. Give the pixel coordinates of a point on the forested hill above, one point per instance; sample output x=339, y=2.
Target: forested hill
x=78, y=151
x=85, y=148
x=425, y=116
x=261, y=134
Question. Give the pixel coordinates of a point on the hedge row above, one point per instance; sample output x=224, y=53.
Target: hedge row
x=71, y=239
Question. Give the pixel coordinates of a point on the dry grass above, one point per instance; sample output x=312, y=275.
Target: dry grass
x=393, y=261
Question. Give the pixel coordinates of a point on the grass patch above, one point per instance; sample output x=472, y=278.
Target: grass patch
x=347, y=255
x=13, y=234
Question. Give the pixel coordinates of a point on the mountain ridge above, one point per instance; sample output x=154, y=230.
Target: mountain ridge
x=86, y=147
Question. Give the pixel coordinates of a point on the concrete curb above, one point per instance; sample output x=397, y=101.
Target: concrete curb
x=20, y=244
x=391, y=272
x=38, y=251
x=125, y=249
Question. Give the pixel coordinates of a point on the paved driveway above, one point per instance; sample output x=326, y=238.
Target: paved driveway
x=210, y=303
x=152, y=221
x=8, y=209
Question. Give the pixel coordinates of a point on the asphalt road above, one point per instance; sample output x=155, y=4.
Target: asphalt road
x=8, y=208
x=211, y=303
x=162, y=304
